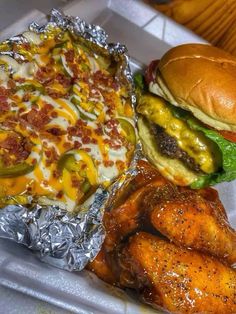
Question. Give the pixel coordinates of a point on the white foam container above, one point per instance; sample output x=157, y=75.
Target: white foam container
x=147, y=35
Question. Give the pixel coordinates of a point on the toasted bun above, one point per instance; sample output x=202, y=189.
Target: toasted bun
x=202, y=79
x=172, y=169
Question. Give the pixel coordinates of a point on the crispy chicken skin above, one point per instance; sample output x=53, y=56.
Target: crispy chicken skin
x=101, y=268
x=192, y=221
x=180, y=280
x=129, y=217
x=182, y=277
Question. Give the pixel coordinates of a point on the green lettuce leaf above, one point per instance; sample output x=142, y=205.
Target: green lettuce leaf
x=228, y=150
x=139, y=81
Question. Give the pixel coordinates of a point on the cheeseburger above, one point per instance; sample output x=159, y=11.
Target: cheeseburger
x=187, y=119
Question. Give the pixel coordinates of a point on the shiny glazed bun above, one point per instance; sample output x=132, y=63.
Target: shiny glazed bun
x=201, y=79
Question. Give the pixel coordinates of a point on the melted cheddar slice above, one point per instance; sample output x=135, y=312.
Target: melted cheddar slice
x=64, y=98
x=201, y=149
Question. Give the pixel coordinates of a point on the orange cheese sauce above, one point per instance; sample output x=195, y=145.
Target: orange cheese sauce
x=66, y=104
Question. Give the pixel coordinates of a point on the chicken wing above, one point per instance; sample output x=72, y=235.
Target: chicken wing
x=180, y=280
x=101, y=268
x=129, y=216
x=192, y=221
x=180, y=277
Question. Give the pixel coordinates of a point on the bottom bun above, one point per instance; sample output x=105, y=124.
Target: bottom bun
x=172, y=169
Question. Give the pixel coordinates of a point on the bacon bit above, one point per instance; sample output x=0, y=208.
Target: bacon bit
x=21, y=110
x=56, y=174
x=11, y=84
x=44, y=75
x=116, y=146
x=94, y=93
x=38, y=118
x=54, y=114
x=15, y=149
x=59, y=194
x=34, y=135
x=54, y=94
x=73, y=131
x=64, y=80
x=77, y=144
x=4, y=106
x=108, y=163
x=67, y=145
x=56, y=131
x=47, y=153
x=94, y=141
x=10, y=122
x=69, y=55
x=115, y=85
x=86, y=140
x=104, y=79
x=110, y=112
x=52, y=156
x=107, y=141
x=20, y=80
x=83, y=166
x=34, y=161
x=87, y=149
x=75, y=182
x=47, y=107
x=112, y=123
x=80, y=123
x=112, y=144
x=75, y=70
x=26, y=97
x=84, y=76
x=114, y=133
x=4, y=91
x=80, y=129
x=99, y=130
x=29, y=189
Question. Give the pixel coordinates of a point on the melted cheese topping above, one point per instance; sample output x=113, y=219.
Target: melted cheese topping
x=197, y=146
x=66, y=102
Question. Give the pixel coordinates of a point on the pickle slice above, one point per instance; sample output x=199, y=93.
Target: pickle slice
x=128, y=130
x=15, y=171
x=77, y=166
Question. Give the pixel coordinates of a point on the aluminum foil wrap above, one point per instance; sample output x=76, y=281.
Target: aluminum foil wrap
x=63, y=239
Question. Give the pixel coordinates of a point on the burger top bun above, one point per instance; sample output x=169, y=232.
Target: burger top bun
x=202, y=79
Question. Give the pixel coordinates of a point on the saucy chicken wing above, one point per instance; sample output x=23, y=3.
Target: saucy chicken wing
x=183, y=276
x=180, y=280
x=193, y=221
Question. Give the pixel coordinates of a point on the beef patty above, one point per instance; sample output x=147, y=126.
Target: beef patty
x=168, y=146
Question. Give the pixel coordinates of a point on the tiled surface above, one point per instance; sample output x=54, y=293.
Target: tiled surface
x=12, y=10
x=86, y=9
x=141, y=45
x=133, y=11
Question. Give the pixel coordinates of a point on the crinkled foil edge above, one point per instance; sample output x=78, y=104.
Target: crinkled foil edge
x=63, y=239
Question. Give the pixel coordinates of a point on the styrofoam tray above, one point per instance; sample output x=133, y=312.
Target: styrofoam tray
x=147, y=35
